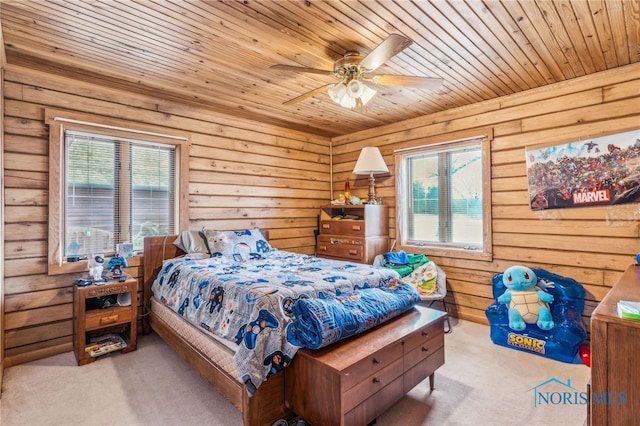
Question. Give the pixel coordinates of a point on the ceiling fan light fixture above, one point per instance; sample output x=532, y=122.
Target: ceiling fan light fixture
x=337, y=92
x=352, y=95
x=354, y=72
x=355, y=88
x=367, y=94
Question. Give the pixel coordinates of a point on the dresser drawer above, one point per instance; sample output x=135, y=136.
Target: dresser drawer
x=423, y=343
x=375, y=405
x=353, y=228
x=345, y=248
x=423, y=369
x=370, y=365
x=105, y=317
x=372, y=384
x=425, y=336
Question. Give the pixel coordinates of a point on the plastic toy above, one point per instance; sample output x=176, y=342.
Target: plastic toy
x=564, y=340
x=585, y=355
x=96, y=266
x=115, y=265
x=527, y=303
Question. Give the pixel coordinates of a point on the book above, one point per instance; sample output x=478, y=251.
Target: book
x=105, y=344
x=629, y=310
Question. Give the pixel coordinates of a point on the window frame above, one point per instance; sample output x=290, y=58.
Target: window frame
x=61, y=121
x=448, y=143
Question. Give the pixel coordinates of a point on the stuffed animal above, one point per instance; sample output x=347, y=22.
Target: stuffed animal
x=527, y=303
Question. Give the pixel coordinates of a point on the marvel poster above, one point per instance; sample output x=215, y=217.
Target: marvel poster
x=601, y=171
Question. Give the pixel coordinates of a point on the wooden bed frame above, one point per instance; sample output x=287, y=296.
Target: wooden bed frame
x=266, y=405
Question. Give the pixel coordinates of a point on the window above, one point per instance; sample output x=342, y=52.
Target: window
x=444, y=198
x=116, y=191
x=110, y=185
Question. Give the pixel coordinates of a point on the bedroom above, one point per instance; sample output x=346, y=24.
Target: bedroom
x=266, y=172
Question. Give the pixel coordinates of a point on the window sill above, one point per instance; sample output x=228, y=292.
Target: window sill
x=83, y=266
x=447, y=252
x=68, y=267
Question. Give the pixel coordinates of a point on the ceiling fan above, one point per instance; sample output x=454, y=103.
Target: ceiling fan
x=357, y=84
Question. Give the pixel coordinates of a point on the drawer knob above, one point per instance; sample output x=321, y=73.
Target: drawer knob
x=425, y=334
x=375, y=380
x=425, y=349
x=375, y=361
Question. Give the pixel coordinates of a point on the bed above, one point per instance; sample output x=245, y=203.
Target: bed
x=278, y=279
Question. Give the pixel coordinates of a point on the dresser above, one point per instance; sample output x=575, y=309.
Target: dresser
x=354, y=381
x=614, y=397
x=353, y=233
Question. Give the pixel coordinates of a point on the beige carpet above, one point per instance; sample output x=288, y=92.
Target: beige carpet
x=480, y=384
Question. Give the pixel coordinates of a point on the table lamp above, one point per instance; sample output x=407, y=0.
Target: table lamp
x=370, y=162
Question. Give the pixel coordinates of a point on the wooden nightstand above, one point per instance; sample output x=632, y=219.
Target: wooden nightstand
x=90, y=322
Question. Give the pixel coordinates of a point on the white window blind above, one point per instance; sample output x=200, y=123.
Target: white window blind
x=116, y=191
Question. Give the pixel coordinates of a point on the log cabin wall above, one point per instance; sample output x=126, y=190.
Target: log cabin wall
x=242, y=174
x=593, y=245
x=3, y=60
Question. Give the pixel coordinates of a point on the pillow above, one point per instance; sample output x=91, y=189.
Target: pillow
x=192, y=242
x=239, y=246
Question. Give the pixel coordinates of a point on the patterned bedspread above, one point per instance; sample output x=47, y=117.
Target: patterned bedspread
x=250, y=302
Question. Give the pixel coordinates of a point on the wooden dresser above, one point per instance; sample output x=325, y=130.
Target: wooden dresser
x=353, y=233
x=354, y=381
x=614, y=398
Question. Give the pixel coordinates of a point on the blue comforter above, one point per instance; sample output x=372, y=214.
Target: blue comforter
x=322, y=321
x=250, y=303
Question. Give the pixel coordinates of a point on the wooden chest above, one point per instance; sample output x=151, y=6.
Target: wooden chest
x=354, y=381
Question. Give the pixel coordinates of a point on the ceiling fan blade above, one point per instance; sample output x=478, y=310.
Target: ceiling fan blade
x=301, y=69
x=431, y=83
x=386, y=50
x=308, y=94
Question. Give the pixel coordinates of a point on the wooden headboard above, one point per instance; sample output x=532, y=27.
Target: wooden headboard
x=156, y=251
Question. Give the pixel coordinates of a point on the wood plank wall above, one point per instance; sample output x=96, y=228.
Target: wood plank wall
x=3, y=60
x=242, y=174
x=234, y=184
x=592, y=245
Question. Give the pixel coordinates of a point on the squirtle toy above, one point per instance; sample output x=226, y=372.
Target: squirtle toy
x=527, y=304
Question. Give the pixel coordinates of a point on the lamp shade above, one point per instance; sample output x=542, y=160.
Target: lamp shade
x=370, y=161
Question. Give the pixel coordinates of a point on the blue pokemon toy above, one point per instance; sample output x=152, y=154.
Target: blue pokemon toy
x=562, y=341
x=527, y=303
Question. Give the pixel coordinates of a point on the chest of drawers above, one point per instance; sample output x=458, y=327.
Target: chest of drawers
x=354, y=381
x=614, y=397
x=353, y=233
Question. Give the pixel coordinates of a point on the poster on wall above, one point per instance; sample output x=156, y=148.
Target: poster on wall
x=601, y=171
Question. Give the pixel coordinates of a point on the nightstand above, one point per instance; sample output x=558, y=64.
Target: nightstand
x=91, y=322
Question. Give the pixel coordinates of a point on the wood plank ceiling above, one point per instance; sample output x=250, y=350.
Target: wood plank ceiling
x=218, y=53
